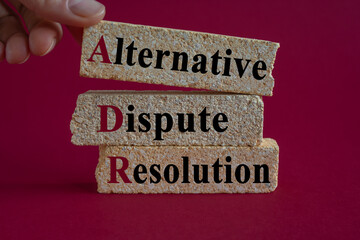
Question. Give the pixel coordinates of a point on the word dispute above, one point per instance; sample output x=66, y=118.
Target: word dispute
x=163, y=121
x=181, y=61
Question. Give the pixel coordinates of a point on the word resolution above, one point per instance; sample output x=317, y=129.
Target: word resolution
x=201, y=173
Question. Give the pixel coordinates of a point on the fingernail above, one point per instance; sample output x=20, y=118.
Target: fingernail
x=86, y=8
x=27, y=57
x=53, y=43
x=2, y=51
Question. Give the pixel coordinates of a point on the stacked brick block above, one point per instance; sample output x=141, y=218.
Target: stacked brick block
x=177, y=142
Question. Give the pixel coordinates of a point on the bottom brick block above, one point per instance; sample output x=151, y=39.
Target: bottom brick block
x=198, y=169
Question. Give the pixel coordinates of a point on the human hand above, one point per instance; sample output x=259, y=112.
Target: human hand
x=42, y=19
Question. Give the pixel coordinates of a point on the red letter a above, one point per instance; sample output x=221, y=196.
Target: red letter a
x=104, y=120
x=121, y=171
x=103, y=52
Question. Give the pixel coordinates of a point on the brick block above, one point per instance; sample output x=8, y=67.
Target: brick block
x=175, y=169
x=121, y=51
x=165, y=118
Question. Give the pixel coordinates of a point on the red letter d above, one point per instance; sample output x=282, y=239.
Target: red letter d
x=104, y=120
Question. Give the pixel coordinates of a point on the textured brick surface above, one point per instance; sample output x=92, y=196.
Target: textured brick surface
x=192, y=43
x=244, y=113
x=267, y=153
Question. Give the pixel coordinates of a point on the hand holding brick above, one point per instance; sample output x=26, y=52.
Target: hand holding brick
x=177, y=142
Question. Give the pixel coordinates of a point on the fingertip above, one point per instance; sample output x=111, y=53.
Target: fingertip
x=95, y=19
x=2, y=51
x=44, y=37
x=78, y=13
x=25, y=60
x=17, y=49
x=86, y=8
x=50, y=48
x=83, y=21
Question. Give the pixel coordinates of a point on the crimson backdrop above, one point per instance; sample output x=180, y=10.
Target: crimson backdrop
x=47, y=185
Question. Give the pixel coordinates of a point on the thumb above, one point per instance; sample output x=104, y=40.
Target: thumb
x=80, y=13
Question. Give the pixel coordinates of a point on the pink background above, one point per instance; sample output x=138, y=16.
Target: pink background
x=47, y=185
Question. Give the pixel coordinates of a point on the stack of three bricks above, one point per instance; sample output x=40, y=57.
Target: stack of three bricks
x=177, y=142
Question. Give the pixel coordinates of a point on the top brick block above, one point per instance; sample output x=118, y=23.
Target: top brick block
x=181, y=58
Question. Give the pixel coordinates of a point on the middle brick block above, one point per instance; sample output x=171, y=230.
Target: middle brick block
x=167, y=118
